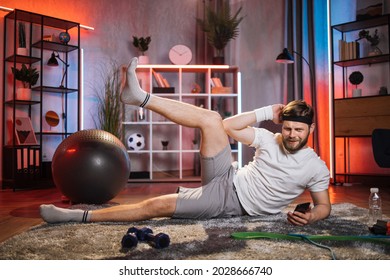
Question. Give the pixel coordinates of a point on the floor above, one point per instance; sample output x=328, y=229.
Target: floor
x=19, y=209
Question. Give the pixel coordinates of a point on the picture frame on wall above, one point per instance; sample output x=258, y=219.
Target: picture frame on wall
x=24, y=132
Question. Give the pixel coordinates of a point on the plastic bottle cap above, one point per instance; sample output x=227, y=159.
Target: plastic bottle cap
x=374, y=190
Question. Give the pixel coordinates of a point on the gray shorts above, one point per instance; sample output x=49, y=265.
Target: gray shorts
x=216, y=197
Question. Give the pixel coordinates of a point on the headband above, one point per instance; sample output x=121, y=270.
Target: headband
x=301, y=119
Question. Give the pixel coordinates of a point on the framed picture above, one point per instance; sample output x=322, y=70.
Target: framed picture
x=24, y=132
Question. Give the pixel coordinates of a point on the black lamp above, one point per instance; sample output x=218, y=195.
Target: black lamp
x=54, y=63
x=287, y=58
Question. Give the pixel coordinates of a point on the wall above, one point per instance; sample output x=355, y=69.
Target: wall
x=255, y=51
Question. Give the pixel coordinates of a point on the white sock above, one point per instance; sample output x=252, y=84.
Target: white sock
x=131, y=92
x=52, y=214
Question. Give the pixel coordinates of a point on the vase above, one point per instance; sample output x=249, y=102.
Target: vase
x=143, y=76
x=218, y=60
x=143, y=59
x=356, y=92
x=164, y=144
x=23, y=94
x=374, y=50
x=22, y=51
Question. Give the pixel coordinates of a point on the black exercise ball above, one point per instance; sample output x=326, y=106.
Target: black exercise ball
x=90, y=166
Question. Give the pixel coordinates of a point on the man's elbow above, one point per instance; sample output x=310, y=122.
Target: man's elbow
x=227, y=126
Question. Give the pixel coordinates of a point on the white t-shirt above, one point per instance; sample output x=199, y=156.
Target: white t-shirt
x=276, y=177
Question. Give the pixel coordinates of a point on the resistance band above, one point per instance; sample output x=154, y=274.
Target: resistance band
x=382, y=239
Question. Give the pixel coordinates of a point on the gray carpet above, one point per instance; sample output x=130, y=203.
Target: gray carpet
x=201, y=240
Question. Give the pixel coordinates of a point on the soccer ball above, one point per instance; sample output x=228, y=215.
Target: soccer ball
x=136, y=142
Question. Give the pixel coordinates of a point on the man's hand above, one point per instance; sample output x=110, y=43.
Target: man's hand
x=321, y=210
x=277, y=109
x=299, y=219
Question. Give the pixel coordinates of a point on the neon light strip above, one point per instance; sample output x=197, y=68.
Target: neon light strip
x=86, y=27
x=81, y=99
x=331, y=139
x=5, y=9
x=239, y=101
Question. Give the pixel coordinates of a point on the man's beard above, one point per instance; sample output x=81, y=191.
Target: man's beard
x=292, y=149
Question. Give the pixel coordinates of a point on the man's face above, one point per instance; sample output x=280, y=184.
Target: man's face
x=295, y=135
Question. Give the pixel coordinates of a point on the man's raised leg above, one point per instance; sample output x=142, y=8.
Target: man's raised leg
x=214, y=138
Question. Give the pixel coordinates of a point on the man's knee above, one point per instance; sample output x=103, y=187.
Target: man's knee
x=162, y=206
x=212, y=120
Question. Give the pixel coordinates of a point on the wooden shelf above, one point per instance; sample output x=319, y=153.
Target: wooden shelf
x=54, y=89
x=362, y=24
x=360, y=116
x=41, y=19
x=22, y=59
x=364, y=61
x=54, y=46
x=22, y=102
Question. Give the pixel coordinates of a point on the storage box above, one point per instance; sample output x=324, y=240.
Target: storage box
x=221, y=90
x=163, y=90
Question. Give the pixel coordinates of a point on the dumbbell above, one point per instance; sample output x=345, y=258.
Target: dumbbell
x=157, y=241
x=140, y=233
x=129, y=240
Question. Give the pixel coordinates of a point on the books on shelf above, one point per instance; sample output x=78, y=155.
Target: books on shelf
x=163, y=85
x=348, y=50
x=217, y=86
x=216, y=82
x=161, y=81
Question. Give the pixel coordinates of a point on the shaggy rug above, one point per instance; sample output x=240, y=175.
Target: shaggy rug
x=198, y=239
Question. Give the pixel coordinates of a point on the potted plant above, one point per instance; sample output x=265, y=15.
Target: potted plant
x=22, y=49
x=29, y=77
x=142, y=44
x=220, y=27
x=109, y=115
x=372, y=39
x=356, y=78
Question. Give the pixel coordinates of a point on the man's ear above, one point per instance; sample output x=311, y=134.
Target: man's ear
x=312, y=127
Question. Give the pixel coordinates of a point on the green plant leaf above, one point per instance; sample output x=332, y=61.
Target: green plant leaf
x=142, y=43
x=28, y=76
x=220, y=26
x=109, y=116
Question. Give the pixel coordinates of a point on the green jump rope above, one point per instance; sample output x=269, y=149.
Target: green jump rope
x=381, y=239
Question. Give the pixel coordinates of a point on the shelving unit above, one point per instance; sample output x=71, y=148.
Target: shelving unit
x=355, y=117
x=180, y=160
x=29, y=165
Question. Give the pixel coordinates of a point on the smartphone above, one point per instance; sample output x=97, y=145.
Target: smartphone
x=303, y=207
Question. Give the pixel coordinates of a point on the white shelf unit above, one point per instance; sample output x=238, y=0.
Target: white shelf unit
x=180, y=161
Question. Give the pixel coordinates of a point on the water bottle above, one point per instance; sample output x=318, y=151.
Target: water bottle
x=375, y=207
